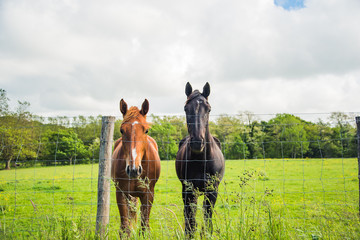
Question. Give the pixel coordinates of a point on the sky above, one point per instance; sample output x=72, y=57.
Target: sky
x=80, y=57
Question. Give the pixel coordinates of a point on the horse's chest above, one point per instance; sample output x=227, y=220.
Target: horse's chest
x=199, y=171
x=134, y=187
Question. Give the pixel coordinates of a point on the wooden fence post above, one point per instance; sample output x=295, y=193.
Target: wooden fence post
x=358, y=142
x=104, y=179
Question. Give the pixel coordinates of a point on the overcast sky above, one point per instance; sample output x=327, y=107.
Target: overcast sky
x=72, y=57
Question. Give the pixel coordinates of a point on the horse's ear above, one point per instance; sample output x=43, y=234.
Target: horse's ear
x=206, y=90
x=145, y=107
x=188, y=89
x=123, y=107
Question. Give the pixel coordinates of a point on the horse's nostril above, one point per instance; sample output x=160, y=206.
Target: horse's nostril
x=133, y=172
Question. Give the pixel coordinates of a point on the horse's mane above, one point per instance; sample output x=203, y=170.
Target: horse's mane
x=132, y=113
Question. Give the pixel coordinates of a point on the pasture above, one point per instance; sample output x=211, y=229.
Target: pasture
x=258, y=199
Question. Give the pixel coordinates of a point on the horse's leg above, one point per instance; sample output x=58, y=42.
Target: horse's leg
x=146, y=203
x=190, y=205
x=122, y=203
x=208, y=207
x=132, y=211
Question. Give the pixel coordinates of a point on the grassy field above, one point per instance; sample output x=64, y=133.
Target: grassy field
x=259, y=199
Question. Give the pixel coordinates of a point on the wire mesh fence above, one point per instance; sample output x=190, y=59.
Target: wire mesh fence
x=284, y=178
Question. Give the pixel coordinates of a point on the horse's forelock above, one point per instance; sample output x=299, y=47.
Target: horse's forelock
x=132, y=113
x=194, y=95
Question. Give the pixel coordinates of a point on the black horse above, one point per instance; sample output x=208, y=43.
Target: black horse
x=199, y=163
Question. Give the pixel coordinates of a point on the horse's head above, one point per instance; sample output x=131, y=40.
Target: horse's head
x=134, y=139
x=197, y=111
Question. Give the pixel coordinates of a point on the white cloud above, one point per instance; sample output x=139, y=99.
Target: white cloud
x=82, y=57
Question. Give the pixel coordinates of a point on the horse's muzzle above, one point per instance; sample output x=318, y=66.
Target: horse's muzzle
x=133, y=172
x=197, y=145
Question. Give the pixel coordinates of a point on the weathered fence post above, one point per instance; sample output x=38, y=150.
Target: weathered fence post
x=104, y=179
x=358, y=142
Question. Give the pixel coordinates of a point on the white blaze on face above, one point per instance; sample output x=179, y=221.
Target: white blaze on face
x=134, y=155
x=133, y=151
x=198, y=106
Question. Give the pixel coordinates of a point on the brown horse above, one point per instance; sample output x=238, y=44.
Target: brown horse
x=135, y=166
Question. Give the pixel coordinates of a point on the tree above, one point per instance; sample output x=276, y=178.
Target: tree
x=235, y=147
x=165, y=133
x=231, y=132
x=322, y=144
x=63, y=146
x=4, y=103
x=87, y=128
x=286, y=137
x=94, y=149
x=254, y=139
x=22, y=111
x=253, y=135
x=18, y=138
x=344, y=135
x=339, y=119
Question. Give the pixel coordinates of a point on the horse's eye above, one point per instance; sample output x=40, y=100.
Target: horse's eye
x=146, y=131
x=121, y=131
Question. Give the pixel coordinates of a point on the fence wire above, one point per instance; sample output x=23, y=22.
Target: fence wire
x=299, y=177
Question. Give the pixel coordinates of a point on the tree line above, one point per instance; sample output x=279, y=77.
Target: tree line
x=243, y=136
x=28, y=140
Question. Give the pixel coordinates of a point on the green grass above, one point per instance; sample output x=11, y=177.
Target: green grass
x=259, y=199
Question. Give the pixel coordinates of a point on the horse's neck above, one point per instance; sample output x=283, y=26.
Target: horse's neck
x=209, y=140
x=208, y=136
x=150, y=150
